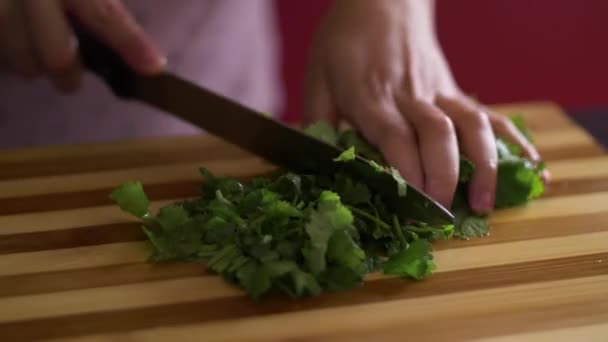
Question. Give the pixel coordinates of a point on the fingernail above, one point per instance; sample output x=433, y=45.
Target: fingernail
x=156, y=62
x=153, y=61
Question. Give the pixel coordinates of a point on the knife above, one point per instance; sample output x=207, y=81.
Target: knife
x=255, y=132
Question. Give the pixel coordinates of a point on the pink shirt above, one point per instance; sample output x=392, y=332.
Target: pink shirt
x=229, y=46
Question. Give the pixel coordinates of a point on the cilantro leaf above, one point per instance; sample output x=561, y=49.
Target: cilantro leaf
x=343, y=250
x=401, y=184
x=350, y=192
x=340, y=278
x=350, y=138
x=331, y=215
x=517, y=183
x=473, y=226
x=416, y=261
x=171, y=217
x=466, y=170
x=255, y=279
x=323, y=131
x=507, y=150
x=346, y=155
x=132, y=199
x=305, y=283
x=520, y=124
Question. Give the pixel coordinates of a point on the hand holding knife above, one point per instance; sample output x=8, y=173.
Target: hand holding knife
x=250, y=130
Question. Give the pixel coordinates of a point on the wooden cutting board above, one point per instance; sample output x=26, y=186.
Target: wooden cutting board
x=73, y=267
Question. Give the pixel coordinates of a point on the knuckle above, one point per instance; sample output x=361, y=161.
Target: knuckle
x=440, y=124
x=477, y=120
x=488, y=165
x=392, y=125
x=501, y=123
x=399, y=131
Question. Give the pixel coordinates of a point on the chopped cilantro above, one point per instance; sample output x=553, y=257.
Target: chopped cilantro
x=401, y=184
x=376, y=166
x=416, y=261
x=347, y=155
x=303, y=234
x=323, y=131
x=132, y=199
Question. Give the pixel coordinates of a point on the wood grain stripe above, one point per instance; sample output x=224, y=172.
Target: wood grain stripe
x=178, y=172
x=569, y=144
x=558, y=140
x=260, y=321
x=575, y=187
x=591, y=333
x=55, y=281
x=93, y=198
x=522, y=251
x=113, y=160
x=147, y=175
x=447, y=260
x=460, y=307
x=65, y=219
x=121, y=273
x=74, y=258
x=534, y=229
x=469, y=327
x=115, y=298
x=571, y=153
x=115, y=148
x=562, y=206
x=188, y=189
x=183, y=180
x=588, y=168
x=131, y=231
x=558, y=207
x=539, y=116
x=71, y=238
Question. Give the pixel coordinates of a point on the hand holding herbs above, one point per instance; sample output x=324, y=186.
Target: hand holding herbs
x=303, y=234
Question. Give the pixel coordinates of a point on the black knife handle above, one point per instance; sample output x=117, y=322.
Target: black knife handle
x=103, y=61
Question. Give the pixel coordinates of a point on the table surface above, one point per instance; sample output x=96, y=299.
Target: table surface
x=73, y=267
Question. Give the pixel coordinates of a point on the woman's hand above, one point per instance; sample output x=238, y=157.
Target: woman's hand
x=36, y=38
x=378, y=65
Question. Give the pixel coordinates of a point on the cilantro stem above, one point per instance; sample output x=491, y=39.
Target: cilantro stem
x=370, y=217
x=423, y=230
x=398, y=231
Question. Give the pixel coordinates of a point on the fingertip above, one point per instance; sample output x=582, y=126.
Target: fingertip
x=482, y=202
x=147, y=59
x=482, y=190
x=546, y=176
x=153, y=62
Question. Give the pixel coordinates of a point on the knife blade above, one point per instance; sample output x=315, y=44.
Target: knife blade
x=253, y=131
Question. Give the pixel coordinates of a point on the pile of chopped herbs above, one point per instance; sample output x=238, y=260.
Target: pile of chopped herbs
x=303, y=234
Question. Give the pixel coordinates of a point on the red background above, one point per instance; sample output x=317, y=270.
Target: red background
x=500, y=51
